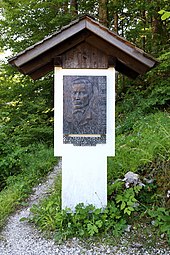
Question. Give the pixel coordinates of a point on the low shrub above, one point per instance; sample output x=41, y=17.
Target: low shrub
x=160, y=218
x=10, y=159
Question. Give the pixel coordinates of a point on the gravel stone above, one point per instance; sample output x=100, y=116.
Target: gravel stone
x=22, y=238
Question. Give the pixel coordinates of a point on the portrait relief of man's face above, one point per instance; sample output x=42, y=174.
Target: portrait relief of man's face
x=84, y=105
x=81, y=93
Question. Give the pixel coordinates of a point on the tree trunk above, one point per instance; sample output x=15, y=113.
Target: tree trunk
x=156, y=26
x=103, y=12
x=156, y=23
x=65, y=6
x=74, y=7
x=116, y=23
x=144, y=27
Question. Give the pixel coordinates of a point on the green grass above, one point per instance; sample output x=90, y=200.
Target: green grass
x=45, y=212
x=35, y=165
x=148, y=139
x=8, y=201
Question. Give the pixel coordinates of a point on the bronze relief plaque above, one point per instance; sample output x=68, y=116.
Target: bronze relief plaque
x=84, y=109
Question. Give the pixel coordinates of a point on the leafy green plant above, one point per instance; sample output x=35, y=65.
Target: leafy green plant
x=85, y=221
x=46, y=214
x=161, y=219
x=10, y=161
x=127, y=200
x=165, y=14
x=147, y=196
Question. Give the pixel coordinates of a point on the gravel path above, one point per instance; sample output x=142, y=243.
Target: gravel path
x=21, y=238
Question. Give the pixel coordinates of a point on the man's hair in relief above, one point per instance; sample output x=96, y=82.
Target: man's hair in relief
x=86, y=82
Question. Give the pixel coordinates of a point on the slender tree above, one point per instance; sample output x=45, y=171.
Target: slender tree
x=74, y=7
x=103, y=12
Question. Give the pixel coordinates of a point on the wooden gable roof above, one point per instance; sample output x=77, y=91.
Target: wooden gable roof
x=40, y=58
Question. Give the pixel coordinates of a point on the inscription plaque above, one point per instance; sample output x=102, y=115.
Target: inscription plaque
x=84, y=109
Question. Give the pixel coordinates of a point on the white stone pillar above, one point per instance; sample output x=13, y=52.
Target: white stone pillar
x=84, y=177
x=84, y=168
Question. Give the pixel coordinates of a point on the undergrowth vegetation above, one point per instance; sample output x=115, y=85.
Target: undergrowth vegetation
x=148, y=140
x=36, y=161
x=147, y=144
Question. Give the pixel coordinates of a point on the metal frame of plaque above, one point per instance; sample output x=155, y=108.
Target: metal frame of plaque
x=84, y=109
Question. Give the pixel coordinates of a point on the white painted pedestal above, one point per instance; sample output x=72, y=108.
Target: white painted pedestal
x=84, y=168
x=84, y=177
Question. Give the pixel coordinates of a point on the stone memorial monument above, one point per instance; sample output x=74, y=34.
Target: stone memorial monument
x=84, y=56
x=84, y=133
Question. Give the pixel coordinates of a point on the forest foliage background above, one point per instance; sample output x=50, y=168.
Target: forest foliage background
x=142, y=106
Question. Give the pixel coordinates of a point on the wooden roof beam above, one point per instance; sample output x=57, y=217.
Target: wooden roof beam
x=54, y=52
x=35, y=51
x=116, y=52
x=42, y=71
x=119, y=42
